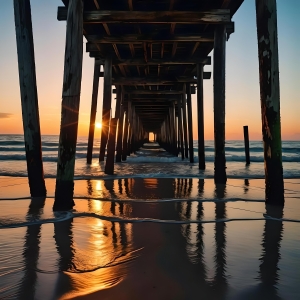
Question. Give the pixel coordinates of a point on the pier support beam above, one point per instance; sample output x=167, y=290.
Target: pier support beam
x=125, y=138
x=190, y=121
x=29, y=98
x=93, y=113
x=119, y=115
x=106, y=107
x=111, y=146
x=70, y=107
x=186, y=147
x=219, y=103
x=266, y=19
x=201, y=146
x=180, y=133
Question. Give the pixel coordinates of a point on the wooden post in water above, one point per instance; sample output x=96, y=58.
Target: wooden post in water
x=201, y=145
x=111, y=146
x=246, y=141
x=266, y=19
x=120, y=135
x=29, y=98
x=125, y=138
x=106, y=108
x=180, y=128
x=190, y=121
x=117, y=116
x=186, y=147
x=219, y=103
x=93, y=113
x=70, y=107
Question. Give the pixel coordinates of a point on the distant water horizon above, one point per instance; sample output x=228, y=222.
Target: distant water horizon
x=140, y=164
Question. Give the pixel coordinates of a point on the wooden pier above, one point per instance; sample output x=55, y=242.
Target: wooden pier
x=153, y=55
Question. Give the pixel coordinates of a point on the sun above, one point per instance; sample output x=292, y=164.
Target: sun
x=98, y=125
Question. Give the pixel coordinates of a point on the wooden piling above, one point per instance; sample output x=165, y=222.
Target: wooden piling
x=106, y=107
x=266, y=19
x=190, y=121
x=93, y=113
x=29, y=98
x=70, y=107
x=111, y=145
x=246, y=142
x=200, y=111
x=125, y=138
x=120, y=129
x=180, y=128
x=219, y=103
x=185, y=133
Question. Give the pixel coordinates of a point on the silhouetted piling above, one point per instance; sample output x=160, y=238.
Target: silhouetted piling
x=246, y=141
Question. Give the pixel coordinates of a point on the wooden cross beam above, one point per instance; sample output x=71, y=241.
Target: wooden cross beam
x=146, y=38
x=167, y=80
x=162, y=61
x=153, y=93
x=213, y=16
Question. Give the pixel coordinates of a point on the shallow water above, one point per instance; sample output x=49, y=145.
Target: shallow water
x=150, y=238
x=148, y=163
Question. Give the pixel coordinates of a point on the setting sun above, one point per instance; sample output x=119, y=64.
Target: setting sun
x=98, y=125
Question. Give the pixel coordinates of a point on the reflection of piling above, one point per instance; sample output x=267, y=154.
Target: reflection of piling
x=63, y=236
x=70, y=107
x=266, y=17
x=29, y=98
x=220, y=280
x=246, y=141
x=31, y=250
x=268, y=269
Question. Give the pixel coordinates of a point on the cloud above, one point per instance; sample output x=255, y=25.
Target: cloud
x=5, y=115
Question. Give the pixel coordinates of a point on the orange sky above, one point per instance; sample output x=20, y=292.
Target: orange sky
x=242, y=83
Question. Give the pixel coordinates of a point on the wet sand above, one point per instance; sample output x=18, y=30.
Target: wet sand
x=150, y=239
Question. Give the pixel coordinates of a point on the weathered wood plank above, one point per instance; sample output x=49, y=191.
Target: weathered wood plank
x=29, y=98
x=266, y=18
x=148, y=38
x=93, y=113
x=214, y=16
x=153, y=62
x=70, y=107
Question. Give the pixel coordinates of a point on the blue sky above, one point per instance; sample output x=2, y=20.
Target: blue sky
x=242, y=81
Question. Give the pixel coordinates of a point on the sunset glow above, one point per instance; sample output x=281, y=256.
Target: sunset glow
x=98, y=125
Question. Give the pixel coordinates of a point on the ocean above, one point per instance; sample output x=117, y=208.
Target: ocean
x=159, y=228
x=13, y=163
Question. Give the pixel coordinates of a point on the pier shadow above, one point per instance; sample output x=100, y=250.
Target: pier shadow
x=31, y=250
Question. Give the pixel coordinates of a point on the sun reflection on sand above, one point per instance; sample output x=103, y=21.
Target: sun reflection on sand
x=102, y=252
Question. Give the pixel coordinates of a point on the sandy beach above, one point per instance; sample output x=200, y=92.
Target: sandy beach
x=149, y=238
